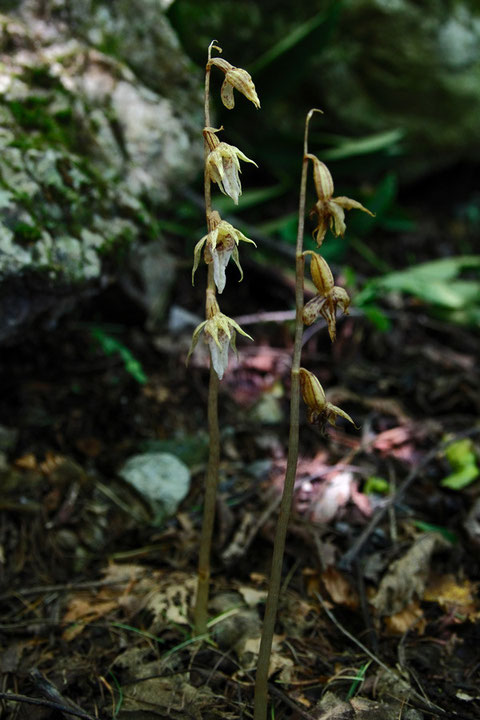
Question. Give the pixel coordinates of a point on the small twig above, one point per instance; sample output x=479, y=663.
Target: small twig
x=291, y=703
x=45, y=703
x=62, y=587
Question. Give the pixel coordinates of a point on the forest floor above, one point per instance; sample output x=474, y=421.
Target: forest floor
x=379, y=614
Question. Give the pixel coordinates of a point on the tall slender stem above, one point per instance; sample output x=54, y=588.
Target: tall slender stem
x=211, y=481
x=261, y=680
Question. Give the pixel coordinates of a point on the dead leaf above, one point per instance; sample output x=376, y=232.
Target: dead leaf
x=453, y=596
x=407, y=576
x=410, y=618
x=339, y=588
x=83, y=609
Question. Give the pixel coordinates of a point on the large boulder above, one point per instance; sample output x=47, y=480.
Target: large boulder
x=86, y=150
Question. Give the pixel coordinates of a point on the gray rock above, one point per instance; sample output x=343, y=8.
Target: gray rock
x=161, y=478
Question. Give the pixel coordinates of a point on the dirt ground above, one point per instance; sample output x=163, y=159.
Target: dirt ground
x=379, y=612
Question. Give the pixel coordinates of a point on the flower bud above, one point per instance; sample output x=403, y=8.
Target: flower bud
x=312, y=392
x=322, y=178
x=319, y=411
x=236, y=78
x=321, y=274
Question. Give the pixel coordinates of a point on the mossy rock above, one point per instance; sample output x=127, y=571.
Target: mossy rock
x=86, y=152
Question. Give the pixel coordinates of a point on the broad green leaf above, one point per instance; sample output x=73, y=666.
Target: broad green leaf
x=377, y=485
x=461, y=478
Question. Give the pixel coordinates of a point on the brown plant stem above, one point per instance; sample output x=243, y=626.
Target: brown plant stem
x=211, y=480
x=261, y=680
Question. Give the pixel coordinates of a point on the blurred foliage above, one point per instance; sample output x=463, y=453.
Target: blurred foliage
x=290, y=50
x=450, y=286
x=112, y=346
x=462, y=458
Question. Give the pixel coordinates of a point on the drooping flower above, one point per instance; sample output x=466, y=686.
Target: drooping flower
x=223, y=164
x=330, y=211
x=319, y=410
x=238, y=79
x=221, y=244
x=329, y=298
x=220, y=332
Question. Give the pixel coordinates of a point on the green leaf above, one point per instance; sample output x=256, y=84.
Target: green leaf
x=248, y=199
x=111, y=346
x=293, y=39
x=377, y=485
x=428, y=527
x=377, y=317
x=436, y=282
x=461, y=457
x=460, y=453
x=461, y=478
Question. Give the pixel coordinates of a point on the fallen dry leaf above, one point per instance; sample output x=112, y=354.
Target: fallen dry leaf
x=339, y=588
x=454, y=596
x=408, y=576
x=410, y=618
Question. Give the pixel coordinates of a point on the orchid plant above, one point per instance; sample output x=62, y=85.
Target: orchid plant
x=216, y=247
x=221, y=167
x=330, y=212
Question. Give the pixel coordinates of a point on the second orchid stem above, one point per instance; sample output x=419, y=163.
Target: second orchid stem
x=261, y=681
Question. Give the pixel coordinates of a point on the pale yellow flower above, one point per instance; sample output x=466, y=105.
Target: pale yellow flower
x=221, y=244
x=329, y=298
x=238, y=79
x=220, y=332
x=319, y=411
x=223, y=164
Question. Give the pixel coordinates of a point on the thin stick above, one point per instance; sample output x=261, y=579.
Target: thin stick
x=261, y=680
x=211, y=482
x=13, y=697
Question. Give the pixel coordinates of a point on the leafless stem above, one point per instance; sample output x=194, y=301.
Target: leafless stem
x=211, y=482
x=261, y=681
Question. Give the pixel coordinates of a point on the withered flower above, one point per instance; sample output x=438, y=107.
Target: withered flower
x=220, y=332
x=329, y=298
x=330, y=211
x=223, y=164
x=238, y=79
x=319, y=411
x=221, y=244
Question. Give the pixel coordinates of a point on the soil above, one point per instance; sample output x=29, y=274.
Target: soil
x=379, y=612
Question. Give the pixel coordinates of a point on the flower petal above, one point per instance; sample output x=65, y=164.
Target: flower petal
x=197, y=255
x=195, y=336
x=312, y=310
x=349, y=204
x=331, y=412
x=337, y=218
x=226, y=93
